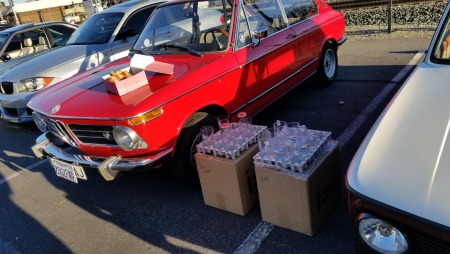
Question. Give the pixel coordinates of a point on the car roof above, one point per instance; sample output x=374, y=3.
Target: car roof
x=34, y=25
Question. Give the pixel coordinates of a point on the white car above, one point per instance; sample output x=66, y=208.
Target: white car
x=399, y=179
x=75, y=17
x=104, y=37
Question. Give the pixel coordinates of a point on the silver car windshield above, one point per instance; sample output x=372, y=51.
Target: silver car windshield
x=188, y=27
x=97, y=29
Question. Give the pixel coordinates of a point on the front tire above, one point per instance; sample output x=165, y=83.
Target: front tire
x=183, y=166
x=328, y=67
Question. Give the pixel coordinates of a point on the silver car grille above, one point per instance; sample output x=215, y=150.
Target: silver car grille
x=6, y=88
x=93, y=134
x=58, y=129
x=80, y=133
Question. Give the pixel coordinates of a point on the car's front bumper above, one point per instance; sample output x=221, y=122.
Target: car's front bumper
x=13, y=107
x=108, y=167
x=423, y=236
x=342, y=40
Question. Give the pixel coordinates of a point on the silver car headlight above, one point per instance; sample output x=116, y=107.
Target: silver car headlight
x=33, y=84
x=382, y=236
x=39, y=121
x=128, y=139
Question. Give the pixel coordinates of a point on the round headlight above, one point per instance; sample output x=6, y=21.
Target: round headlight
x=382, y=236
x=126, y=138
x=39, y=121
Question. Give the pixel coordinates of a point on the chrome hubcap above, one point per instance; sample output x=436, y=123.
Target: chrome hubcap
x=329, y=64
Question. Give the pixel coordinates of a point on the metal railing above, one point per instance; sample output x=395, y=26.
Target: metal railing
x=354, y=4
x=390, y=14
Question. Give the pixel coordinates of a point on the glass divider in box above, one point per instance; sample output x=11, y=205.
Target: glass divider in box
x=231, y=146
x=297, y=159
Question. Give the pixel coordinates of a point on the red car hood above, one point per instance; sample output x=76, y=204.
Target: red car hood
x=85, y=95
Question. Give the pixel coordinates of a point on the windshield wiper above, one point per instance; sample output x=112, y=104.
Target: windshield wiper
x=84, y=43
x=139, y=51
x=182, y=46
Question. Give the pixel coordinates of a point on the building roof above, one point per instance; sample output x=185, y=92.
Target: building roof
x=43, y=4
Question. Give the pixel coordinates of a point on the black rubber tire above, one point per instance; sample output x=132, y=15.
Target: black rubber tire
x=328, y=66
x=183, y=166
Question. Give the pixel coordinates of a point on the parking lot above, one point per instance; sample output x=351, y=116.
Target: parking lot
x=148, y=212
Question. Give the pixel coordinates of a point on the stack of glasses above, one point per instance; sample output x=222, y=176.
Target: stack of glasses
x=289, y=146
x=231, y=139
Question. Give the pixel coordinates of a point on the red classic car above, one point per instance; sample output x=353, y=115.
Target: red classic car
x=227, y=57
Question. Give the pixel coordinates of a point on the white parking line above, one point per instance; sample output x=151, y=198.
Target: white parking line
x=348, y=133
x=262, y=231
x=32, y=166
x=256, y=237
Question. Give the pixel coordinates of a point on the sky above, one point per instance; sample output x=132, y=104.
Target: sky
x=15, y=1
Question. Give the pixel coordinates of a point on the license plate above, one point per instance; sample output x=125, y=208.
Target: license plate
x=68, y=171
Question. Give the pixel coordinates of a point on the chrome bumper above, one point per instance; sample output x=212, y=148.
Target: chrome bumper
x=342, y=40
x=108, y=167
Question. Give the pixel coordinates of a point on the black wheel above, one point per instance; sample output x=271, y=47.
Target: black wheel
x=182, y=166
x=328, y=65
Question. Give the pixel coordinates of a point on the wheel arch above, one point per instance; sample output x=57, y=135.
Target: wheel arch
x=331, y=41
x=210, y=109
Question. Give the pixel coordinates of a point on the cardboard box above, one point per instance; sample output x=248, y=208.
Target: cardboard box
x=228, y=184
x=127, y=85
x=297, y=201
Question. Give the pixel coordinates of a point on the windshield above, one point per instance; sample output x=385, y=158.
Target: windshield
x=188, y=27
x=97, y=29
x=3, y=38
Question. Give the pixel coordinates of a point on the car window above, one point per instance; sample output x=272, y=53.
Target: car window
x=96, y=29
x=34, y=35
x=138, y=19
x=187, y=27
x=442, y=47
x=3, y=38
x=264, y=15
x=299, y=10
x=60, y=34
x=15, y=46
x=244, y=35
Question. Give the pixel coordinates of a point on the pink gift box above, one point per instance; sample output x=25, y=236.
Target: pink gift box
x=126, y=85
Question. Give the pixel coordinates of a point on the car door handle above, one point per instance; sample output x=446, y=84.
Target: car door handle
x=169, y=34
x=291, y=36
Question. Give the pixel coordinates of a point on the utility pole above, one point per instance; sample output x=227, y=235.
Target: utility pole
x=389, y=16
x=11, y=3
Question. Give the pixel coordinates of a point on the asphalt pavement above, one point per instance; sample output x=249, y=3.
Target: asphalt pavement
x=148, y=212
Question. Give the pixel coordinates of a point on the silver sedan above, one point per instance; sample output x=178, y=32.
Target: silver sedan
x=104, y=37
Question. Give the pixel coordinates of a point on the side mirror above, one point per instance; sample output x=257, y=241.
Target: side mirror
x=5, y=57
x=129, y=32
x=257, y=36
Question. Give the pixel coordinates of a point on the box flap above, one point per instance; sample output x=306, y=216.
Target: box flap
x=138, y=62
x=160, y=67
